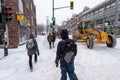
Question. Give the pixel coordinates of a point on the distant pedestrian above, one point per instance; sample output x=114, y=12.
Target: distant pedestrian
x=66, y=52
x=32, y=49
x=49, y=38
x=53, y=38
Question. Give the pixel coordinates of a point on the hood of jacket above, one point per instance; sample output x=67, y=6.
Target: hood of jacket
x=64, y=34
x=31, y=36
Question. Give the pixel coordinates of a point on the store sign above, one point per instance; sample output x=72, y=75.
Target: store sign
x=20, y=17
x=28, y=24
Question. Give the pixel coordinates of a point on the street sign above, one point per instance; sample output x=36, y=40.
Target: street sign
x=53, y=18
x=28, y=24
x=20, y=17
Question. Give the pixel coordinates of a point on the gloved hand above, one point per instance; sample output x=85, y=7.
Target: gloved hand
x=38, y=53
x=56, y=65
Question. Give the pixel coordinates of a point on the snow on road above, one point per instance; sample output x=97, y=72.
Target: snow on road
x=99, y=63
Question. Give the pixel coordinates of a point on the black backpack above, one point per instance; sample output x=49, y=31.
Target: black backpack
x=68, y=50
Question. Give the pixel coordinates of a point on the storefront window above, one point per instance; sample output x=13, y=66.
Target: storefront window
x=23, y=31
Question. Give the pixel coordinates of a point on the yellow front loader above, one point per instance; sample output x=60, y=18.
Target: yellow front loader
x=90, y=35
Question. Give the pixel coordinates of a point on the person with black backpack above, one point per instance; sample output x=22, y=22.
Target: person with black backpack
x=32, y=49
x=65, y=55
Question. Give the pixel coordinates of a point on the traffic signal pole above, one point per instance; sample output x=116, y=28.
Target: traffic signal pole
x=4, y=27
x=53, y=18
x=53, y=9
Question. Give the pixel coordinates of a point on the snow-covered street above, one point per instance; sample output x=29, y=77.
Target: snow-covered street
x=99, y=63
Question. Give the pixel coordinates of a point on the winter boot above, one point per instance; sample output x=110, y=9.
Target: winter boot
x=31, y=69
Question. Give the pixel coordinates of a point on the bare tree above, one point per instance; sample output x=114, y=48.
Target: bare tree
x=40, y=29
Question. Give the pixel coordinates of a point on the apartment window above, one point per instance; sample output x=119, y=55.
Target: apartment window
x=107, y=18
x=91, y=13
x=20, y=4
x=101, y=9
x=99, y=21
x=107, y=7
x=112, y=17
x=96, y=11
x=113, y=5
x=84, y=16
x=87, y=15
x=119, y=2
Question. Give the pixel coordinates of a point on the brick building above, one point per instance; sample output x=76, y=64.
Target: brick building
x=18, y=31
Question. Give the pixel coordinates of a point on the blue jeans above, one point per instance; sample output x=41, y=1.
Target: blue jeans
x=70, y=70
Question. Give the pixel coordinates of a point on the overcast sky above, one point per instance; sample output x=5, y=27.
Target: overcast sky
x=44, y=9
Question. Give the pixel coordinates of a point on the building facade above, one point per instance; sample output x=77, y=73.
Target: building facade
x=18, y=31
x=109, y=10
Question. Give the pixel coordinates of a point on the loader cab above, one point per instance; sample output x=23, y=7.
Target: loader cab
x=89, y=25
x=83, y=25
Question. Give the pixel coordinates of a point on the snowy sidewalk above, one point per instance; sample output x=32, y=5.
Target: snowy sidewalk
x=99, y=63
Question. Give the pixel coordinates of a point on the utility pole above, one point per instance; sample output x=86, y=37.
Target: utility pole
x=53, y=9
x=3, y=7
x=53, y=18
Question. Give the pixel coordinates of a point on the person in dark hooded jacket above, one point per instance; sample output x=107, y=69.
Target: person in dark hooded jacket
x=33, y=51
x=69, y=68
x=53, y=38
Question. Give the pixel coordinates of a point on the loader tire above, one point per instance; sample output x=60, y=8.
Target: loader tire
x=89, y=42
x=111, y=42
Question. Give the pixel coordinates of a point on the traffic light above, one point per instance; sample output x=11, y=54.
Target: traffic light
x=71, y=5
x=8, y=13
x=109, y=22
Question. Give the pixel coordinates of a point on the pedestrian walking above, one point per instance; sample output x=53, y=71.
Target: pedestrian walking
x=65, y=55
x=32, y=49
x=53, y=38
x=49, y=38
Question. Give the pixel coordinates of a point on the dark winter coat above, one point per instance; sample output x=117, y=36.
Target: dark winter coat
x=34, y=49
x=49, y=37
x=64, y=36
x=53, y=38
